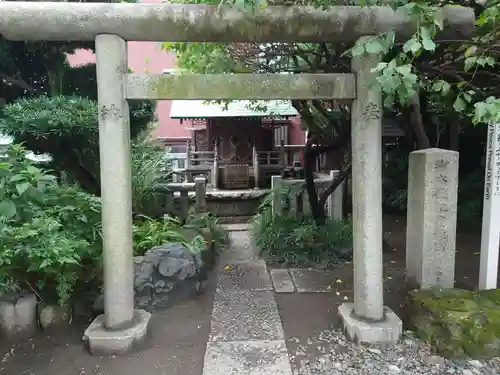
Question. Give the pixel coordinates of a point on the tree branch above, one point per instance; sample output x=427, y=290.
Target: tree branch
x=19, y=83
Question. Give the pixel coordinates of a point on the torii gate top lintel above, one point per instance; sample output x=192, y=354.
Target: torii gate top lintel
x=61, y=21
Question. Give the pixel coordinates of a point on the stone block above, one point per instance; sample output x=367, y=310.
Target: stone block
x=282, y=281
x=432, y=217
x=247, y=276
x=18, y=318
x=101, y=341
x=53, y=316
x=168, y=274
x=456, y=322
x=242, y=316
x=321, y=281
x=387, y=331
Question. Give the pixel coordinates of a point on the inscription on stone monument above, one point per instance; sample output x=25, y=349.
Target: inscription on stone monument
x=441, y=226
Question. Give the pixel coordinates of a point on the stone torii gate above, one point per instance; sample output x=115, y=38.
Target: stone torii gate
x=112, y=25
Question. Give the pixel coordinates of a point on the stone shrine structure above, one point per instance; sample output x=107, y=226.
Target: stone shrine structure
x=112, y=25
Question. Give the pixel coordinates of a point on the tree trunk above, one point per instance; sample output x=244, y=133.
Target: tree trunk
x=417, y=124
x=454, y=132
x=343, y=174
x=317, y=211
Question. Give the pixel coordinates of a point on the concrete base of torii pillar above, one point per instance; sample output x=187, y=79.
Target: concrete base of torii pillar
x=100, y=340
x=367, y=320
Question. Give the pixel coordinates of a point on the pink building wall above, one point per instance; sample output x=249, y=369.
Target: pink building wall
x=147, y=57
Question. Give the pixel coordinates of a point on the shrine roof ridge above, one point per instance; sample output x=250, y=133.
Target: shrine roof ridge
x=62, y=21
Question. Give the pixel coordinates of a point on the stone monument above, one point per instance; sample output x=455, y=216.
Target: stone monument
x=432, y=217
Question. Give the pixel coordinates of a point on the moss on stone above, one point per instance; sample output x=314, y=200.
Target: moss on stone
x=457, y=322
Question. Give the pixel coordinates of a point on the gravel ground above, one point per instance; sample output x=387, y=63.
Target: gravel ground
x=335, y=355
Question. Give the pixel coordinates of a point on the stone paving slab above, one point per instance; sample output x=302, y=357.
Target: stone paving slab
x=250, y=275
x=282, y=280
x=240, y=248
x=236, y=227
x=308, y=321
x=322, y=281
x=244, y=316
x=247, y=358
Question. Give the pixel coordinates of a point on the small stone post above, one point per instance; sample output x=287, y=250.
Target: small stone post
x=215, y=168
x=277, y=204
x=432, y=217
x=256, y=167
x=120, y=327
x=367, y=320
x=282, y=154
x=336, y=200
x=188, y=155
x=200, y=189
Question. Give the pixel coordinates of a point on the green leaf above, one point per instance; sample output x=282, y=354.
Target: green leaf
x=412, y=45
x=22, y=187
x=358, y=49
x=459, y=105
x=428, y=44
x=7, y=208
x=373, y=46
x=471, y=51
x=469, y=63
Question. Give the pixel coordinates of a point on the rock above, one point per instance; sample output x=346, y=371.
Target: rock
x=393, y=369
x=434, y=360
x=51, y=316
x=454, y=321
x=168, y=274
x=18, y=315
x=475, y=363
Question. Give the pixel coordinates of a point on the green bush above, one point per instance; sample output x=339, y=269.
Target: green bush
x=149, y=171
x=216, y=235
x=199, y=233
x=296, y=240
x=50, y=233
x=148, y=233
x=66, y=128
x=44, y=240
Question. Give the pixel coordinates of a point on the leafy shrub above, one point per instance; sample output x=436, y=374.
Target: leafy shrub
x=66, y=127
x=296, y=240
x=149, y=170
x=218, y=237
x=46, y=231
x=148, y=233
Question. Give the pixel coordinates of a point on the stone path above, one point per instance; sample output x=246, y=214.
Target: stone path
x=246, y=334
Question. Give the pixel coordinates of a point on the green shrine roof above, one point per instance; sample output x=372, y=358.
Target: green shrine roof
x=188, y=109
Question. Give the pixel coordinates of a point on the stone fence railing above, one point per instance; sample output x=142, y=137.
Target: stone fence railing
x=177, y=197
x=298, y=198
